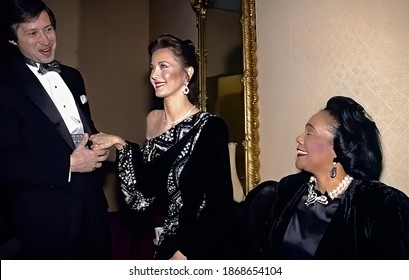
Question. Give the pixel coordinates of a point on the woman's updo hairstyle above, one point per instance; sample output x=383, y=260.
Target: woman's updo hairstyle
x=356, y=138
x=184, y=53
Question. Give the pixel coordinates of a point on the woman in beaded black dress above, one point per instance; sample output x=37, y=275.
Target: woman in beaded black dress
x=179, y=182
x=335, y=208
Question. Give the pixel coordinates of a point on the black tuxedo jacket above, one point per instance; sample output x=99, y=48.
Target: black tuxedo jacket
x=50, y=216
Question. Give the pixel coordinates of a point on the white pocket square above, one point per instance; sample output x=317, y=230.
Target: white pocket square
x=83, y=99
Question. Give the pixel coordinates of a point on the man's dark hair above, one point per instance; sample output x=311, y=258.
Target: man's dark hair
x=16, y=12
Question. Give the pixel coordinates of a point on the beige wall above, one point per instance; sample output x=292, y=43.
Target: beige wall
x=175, y=17
x=67, y=14
x=114, y=59
x=309, y=50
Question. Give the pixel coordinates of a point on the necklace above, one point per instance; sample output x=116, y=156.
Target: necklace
x=313, y=197
x=179, y=120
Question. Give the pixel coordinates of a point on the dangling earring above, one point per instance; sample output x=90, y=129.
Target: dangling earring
x=333, y=171
x=186, y=88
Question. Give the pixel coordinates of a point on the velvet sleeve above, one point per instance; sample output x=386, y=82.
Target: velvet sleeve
x=389, y=228
x=253, y=217
x=207, y=218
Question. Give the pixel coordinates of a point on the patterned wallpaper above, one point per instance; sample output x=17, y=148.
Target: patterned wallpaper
x=309, y=50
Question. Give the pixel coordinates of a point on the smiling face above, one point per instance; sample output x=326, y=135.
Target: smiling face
x=315, y=151
x=36, y=39
x=167, y=76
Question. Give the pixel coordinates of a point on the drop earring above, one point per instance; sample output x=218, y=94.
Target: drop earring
x=186, y=88
x=333, y=171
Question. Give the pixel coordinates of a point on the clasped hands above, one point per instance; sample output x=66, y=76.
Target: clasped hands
x=102, y=141
x=83, y=159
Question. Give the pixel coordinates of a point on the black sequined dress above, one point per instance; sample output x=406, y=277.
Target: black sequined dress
x=180, y=180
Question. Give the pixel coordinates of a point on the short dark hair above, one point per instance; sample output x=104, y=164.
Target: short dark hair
x=22, y=11
x=356, y=138
x=184, y=53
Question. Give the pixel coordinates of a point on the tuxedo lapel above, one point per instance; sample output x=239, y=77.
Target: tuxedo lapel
x=25, y=79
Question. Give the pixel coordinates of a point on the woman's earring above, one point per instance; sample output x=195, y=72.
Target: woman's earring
x=186, y=88
x=333, y=172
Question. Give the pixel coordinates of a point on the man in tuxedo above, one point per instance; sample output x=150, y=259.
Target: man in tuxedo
x=53, y=205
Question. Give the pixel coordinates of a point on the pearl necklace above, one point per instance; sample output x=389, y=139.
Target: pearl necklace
x=179, y=120
x=313, y=197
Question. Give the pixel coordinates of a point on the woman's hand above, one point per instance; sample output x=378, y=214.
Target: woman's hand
x=178, y=256
x=105, y=141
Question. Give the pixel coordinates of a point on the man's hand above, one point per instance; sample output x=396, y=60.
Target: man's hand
x=84, y=159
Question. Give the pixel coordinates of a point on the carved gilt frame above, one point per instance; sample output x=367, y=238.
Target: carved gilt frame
x=250, y=94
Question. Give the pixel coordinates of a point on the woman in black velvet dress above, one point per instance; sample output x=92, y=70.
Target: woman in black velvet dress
x=179, y=182
x=335, y=208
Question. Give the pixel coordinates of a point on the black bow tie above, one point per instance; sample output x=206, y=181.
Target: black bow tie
x=45, y=67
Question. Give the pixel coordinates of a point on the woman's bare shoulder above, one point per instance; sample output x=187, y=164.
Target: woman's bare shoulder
x=154, y=115
x=153, y=123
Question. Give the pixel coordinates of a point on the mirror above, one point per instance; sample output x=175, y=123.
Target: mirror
x=231, y=91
